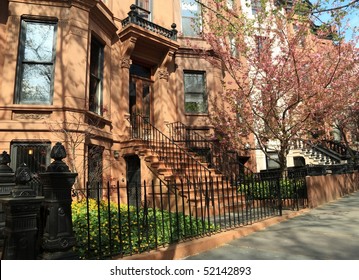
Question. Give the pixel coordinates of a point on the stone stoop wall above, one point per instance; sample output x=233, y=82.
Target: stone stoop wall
x=326, y=188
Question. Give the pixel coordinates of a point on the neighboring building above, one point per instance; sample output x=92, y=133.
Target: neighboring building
x=307, y=151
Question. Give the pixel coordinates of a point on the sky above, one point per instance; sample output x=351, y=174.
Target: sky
x=352, y=17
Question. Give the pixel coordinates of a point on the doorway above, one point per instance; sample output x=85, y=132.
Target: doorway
x=133, y=177
x=140, y=92
x=95, y=171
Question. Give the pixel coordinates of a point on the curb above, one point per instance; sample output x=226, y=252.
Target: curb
x=189, y=248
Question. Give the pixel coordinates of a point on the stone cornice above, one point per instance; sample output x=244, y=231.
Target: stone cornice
x=104, y=18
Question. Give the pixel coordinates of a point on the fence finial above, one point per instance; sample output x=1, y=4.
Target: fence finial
x=58, y=153
x=22, y=178
x=4, y=161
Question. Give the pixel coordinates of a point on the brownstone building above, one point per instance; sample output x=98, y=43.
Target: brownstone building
x=79, y=72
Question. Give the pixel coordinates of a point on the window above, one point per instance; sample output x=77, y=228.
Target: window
x=36, y=155
x=36, y=62
x=262, y=47
x=96, y=77
x=272, y=160
x=145, y=9
x=256, y=6
x=233, y=46
x=195, y=92
x=191, y=23
x=298, y=31
x=230, y=4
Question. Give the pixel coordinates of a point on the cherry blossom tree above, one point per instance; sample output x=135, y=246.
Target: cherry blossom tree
x=285, y=77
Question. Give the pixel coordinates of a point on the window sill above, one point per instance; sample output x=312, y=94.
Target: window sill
x=95, y=119
x=29, y=107
x=196, y=114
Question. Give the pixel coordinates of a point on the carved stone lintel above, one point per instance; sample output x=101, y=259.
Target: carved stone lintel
x=30, y=116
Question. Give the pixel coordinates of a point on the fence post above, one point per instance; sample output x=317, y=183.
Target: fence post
x=22, y=209
x=7, y=182
x=58, y=236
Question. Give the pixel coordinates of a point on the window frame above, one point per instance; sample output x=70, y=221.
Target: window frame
x=21, y=59
x=233, y=46
x=230, y=4
x=194, y=17
x=142, y=11
x=272, y=158
x=97, y=107
x=256, y=6
x=203, y=93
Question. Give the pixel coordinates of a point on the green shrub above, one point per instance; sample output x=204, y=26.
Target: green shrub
x=129, y=230
x=268, y=189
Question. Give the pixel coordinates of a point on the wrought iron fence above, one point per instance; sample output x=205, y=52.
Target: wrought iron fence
x=165, y=214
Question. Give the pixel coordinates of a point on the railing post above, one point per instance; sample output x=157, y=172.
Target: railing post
x=7, y=182
x=174, y=32
x=133, y=14
x=22, y=211
x=58, y=237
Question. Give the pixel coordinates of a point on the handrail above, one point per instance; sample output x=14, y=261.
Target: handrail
x=337, y=147
x=215, y=154
x=324, y=151
x=168, y=151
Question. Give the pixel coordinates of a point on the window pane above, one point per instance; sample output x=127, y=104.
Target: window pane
x=39, y=42
x=188, y=27
x=144, y=4
x=194, y=83
x=273, y=161
x=189, y=8
x=190, y=13
x=195, y=103
x=96, y=76
x=256, y=6
x=230, y=4
x=95, y=66
x=195, y=93
x=36, y=84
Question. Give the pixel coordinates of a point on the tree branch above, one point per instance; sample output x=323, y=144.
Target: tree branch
x=336, y=8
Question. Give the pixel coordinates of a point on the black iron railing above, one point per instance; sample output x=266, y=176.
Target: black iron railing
x=218, y=157
x=111, y=226
x=136, y=16
x=183, y=165
x=317, y=151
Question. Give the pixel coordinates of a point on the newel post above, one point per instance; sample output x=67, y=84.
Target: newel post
x=22, y=209
x=7, y=182
x=58, y=237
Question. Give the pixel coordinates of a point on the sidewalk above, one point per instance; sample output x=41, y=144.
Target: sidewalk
x=329, y=232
